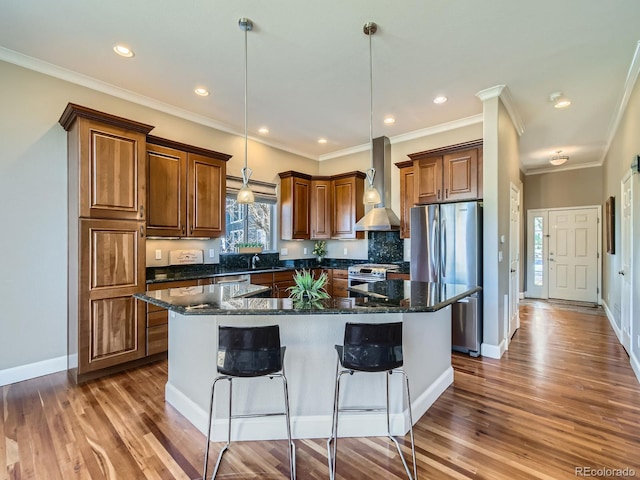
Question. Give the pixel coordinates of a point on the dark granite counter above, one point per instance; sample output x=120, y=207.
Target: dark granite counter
x=391, y=296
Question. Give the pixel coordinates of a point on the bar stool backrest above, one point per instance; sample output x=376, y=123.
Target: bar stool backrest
x=249, y=351
x=372, y=347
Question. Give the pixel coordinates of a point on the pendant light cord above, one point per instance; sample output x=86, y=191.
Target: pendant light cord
x=371, y=108
x=246, y=155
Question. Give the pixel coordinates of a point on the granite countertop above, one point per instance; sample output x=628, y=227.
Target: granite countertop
x=390, y=296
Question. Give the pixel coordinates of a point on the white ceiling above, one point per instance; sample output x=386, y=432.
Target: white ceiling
x=308, y=63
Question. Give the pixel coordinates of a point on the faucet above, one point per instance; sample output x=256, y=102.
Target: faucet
x=255, y=259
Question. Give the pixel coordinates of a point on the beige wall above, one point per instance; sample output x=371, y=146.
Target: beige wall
x=624, y=147
x=33, y=203
x=569, y=188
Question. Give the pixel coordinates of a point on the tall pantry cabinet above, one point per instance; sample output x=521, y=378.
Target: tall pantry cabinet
x=106, y=253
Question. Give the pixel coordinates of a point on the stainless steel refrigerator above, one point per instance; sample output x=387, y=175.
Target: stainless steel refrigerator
x=446, y=247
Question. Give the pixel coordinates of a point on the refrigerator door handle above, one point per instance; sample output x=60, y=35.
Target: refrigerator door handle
x=443, y=257
x=435, y=246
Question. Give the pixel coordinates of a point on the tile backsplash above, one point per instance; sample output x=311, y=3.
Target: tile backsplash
x=386, y=247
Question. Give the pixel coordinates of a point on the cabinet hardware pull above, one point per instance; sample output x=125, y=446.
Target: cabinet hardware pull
x=141, y=231
x=141, y=211
x=446, y=193
x=438, y=194
x=183, y=230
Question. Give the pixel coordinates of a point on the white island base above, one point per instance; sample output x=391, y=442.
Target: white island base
x=310, y=367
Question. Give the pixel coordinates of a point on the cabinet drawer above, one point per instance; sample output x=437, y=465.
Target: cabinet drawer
x=283, y=276
x=157, y=339
x=157, y=318
x=174, y=284
x=340, y=274
x=262, y=278
x=397, y=276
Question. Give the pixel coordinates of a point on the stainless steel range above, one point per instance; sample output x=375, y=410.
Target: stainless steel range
x=369, y=272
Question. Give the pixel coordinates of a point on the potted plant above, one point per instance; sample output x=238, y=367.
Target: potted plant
x=320, y=249
x=249, y=247
x=307, y=288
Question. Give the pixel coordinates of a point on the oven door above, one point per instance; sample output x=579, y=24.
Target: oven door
x=358, y=281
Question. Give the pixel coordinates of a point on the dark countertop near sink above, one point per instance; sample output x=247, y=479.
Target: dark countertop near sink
x=390, y=296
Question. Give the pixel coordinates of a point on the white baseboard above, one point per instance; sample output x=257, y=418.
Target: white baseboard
x=366, y=424
x=521, y=295
x=32, y=370
x=612, y=321
x=493, y=351
x=635, y=365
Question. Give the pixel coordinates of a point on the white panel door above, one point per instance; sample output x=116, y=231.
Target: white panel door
x=626, y=242
x=514, y=261
x=573, y=254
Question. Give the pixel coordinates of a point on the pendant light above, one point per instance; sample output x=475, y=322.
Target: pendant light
x=371, y=194
x=245, y=195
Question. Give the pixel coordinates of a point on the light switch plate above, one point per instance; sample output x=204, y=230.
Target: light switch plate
x=158, y=254
x=284, y=251
x=345, y=251
x=211, y=253
x=304, y=250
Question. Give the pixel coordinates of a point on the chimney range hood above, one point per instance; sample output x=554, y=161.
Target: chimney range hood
x=381, y=218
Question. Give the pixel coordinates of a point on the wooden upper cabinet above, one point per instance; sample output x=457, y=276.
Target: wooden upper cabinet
x=166, y=191
x=348, y=208
x=107, y=164
x=207, y=196
x=448, y=174
x=186, y=188
x=407, y=196
x=460, y=175
x=321, y=208
x=295, y=197
x=428, y=180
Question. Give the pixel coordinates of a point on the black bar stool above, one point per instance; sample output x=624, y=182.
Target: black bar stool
x=370, y=347
x=249, y=352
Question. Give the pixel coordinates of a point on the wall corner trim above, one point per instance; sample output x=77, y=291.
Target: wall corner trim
x=503, y=92
x=493, y=351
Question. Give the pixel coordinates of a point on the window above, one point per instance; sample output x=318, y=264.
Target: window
x=538, y=251
x=249, y=223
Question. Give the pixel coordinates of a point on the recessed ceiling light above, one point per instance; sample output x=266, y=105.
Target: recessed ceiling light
x=123, y=50
x=559, y=100
x=322, y=140
x=263, y=130
x=203, y=92
x=439, y=100
x=389, y=120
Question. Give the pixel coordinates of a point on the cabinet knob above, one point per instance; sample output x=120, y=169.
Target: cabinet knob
x=141, y=230
x=183, y=230
x=438, y=194
x=141, y=211
x=446, y=193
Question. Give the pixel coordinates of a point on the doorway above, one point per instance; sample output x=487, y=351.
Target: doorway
x=563, y=253
x=514, y=262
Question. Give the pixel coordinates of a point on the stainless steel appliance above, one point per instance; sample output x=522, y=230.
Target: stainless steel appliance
x=446, y=247
x=368, y=272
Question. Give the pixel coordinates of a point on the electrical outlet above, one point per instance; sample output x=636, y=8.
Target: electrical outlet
x=211, y=253
x=158, y=254
x=304, y=250
x=345, y=251
x=284, y=251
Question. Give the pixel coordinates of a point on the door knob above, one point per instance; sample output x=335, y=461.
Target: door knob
x=621, y=272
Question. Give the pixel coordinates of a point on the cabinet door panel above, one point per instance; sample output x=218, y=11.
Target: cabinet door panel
x=347, y=206
x=166, y=197
x=461, y=175
x=428, y=180
x=207, y=188
x=295, y=192
x=407, y=199
x=157, y=339
x=112, y=172
x=114, y=329
x=320, y=209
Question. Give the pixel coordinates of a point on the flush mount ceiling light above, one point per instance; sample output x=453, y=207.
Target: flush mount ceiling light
x=245, y=195
x=439, y=100
x=371, y=195
x=559, y=100
x=203, y=92
x=558, y=159
x=322, y=140
x=389, y=120
x=263, y=130
x=123, y=50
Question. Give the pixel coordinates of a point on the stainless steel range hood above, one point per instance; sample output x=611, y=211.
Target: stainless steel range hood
x=381, y=218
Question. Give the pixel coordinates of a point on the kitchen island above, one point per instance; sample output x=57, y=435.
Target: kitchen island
x=309, y=331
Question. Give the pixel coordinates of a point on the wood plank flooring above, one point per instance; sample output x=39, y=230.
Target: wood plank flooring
x=563, y=397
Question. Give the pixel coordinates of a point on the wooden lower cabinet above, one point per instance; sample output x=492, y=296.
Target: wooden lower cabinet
x=106, y=324
x=158, y=318
x=340, y=283
x=397, y=276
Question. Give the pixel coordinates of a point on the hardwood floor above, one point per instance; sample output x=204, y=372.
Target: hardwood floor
x=563, y=397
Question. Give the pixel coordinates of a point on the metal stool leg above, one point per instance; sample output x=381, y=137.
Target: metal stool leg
x=206, y=452
x=331, y=455
x=393, y=439
x=292, y=448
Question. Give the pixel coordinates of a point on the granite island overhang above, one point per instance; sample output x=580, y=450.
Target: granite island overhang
x=309, y=331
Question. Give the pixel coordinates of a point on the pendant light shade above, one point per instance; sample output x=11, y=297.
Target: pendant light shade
x=371, y=194
x=245, y=195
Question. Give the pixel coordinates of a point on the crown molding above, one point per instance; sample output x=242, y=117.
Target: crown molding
x=539, y=171
x=423, y=132
x=632, y=77
x=503, y=92
x=76, y=78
